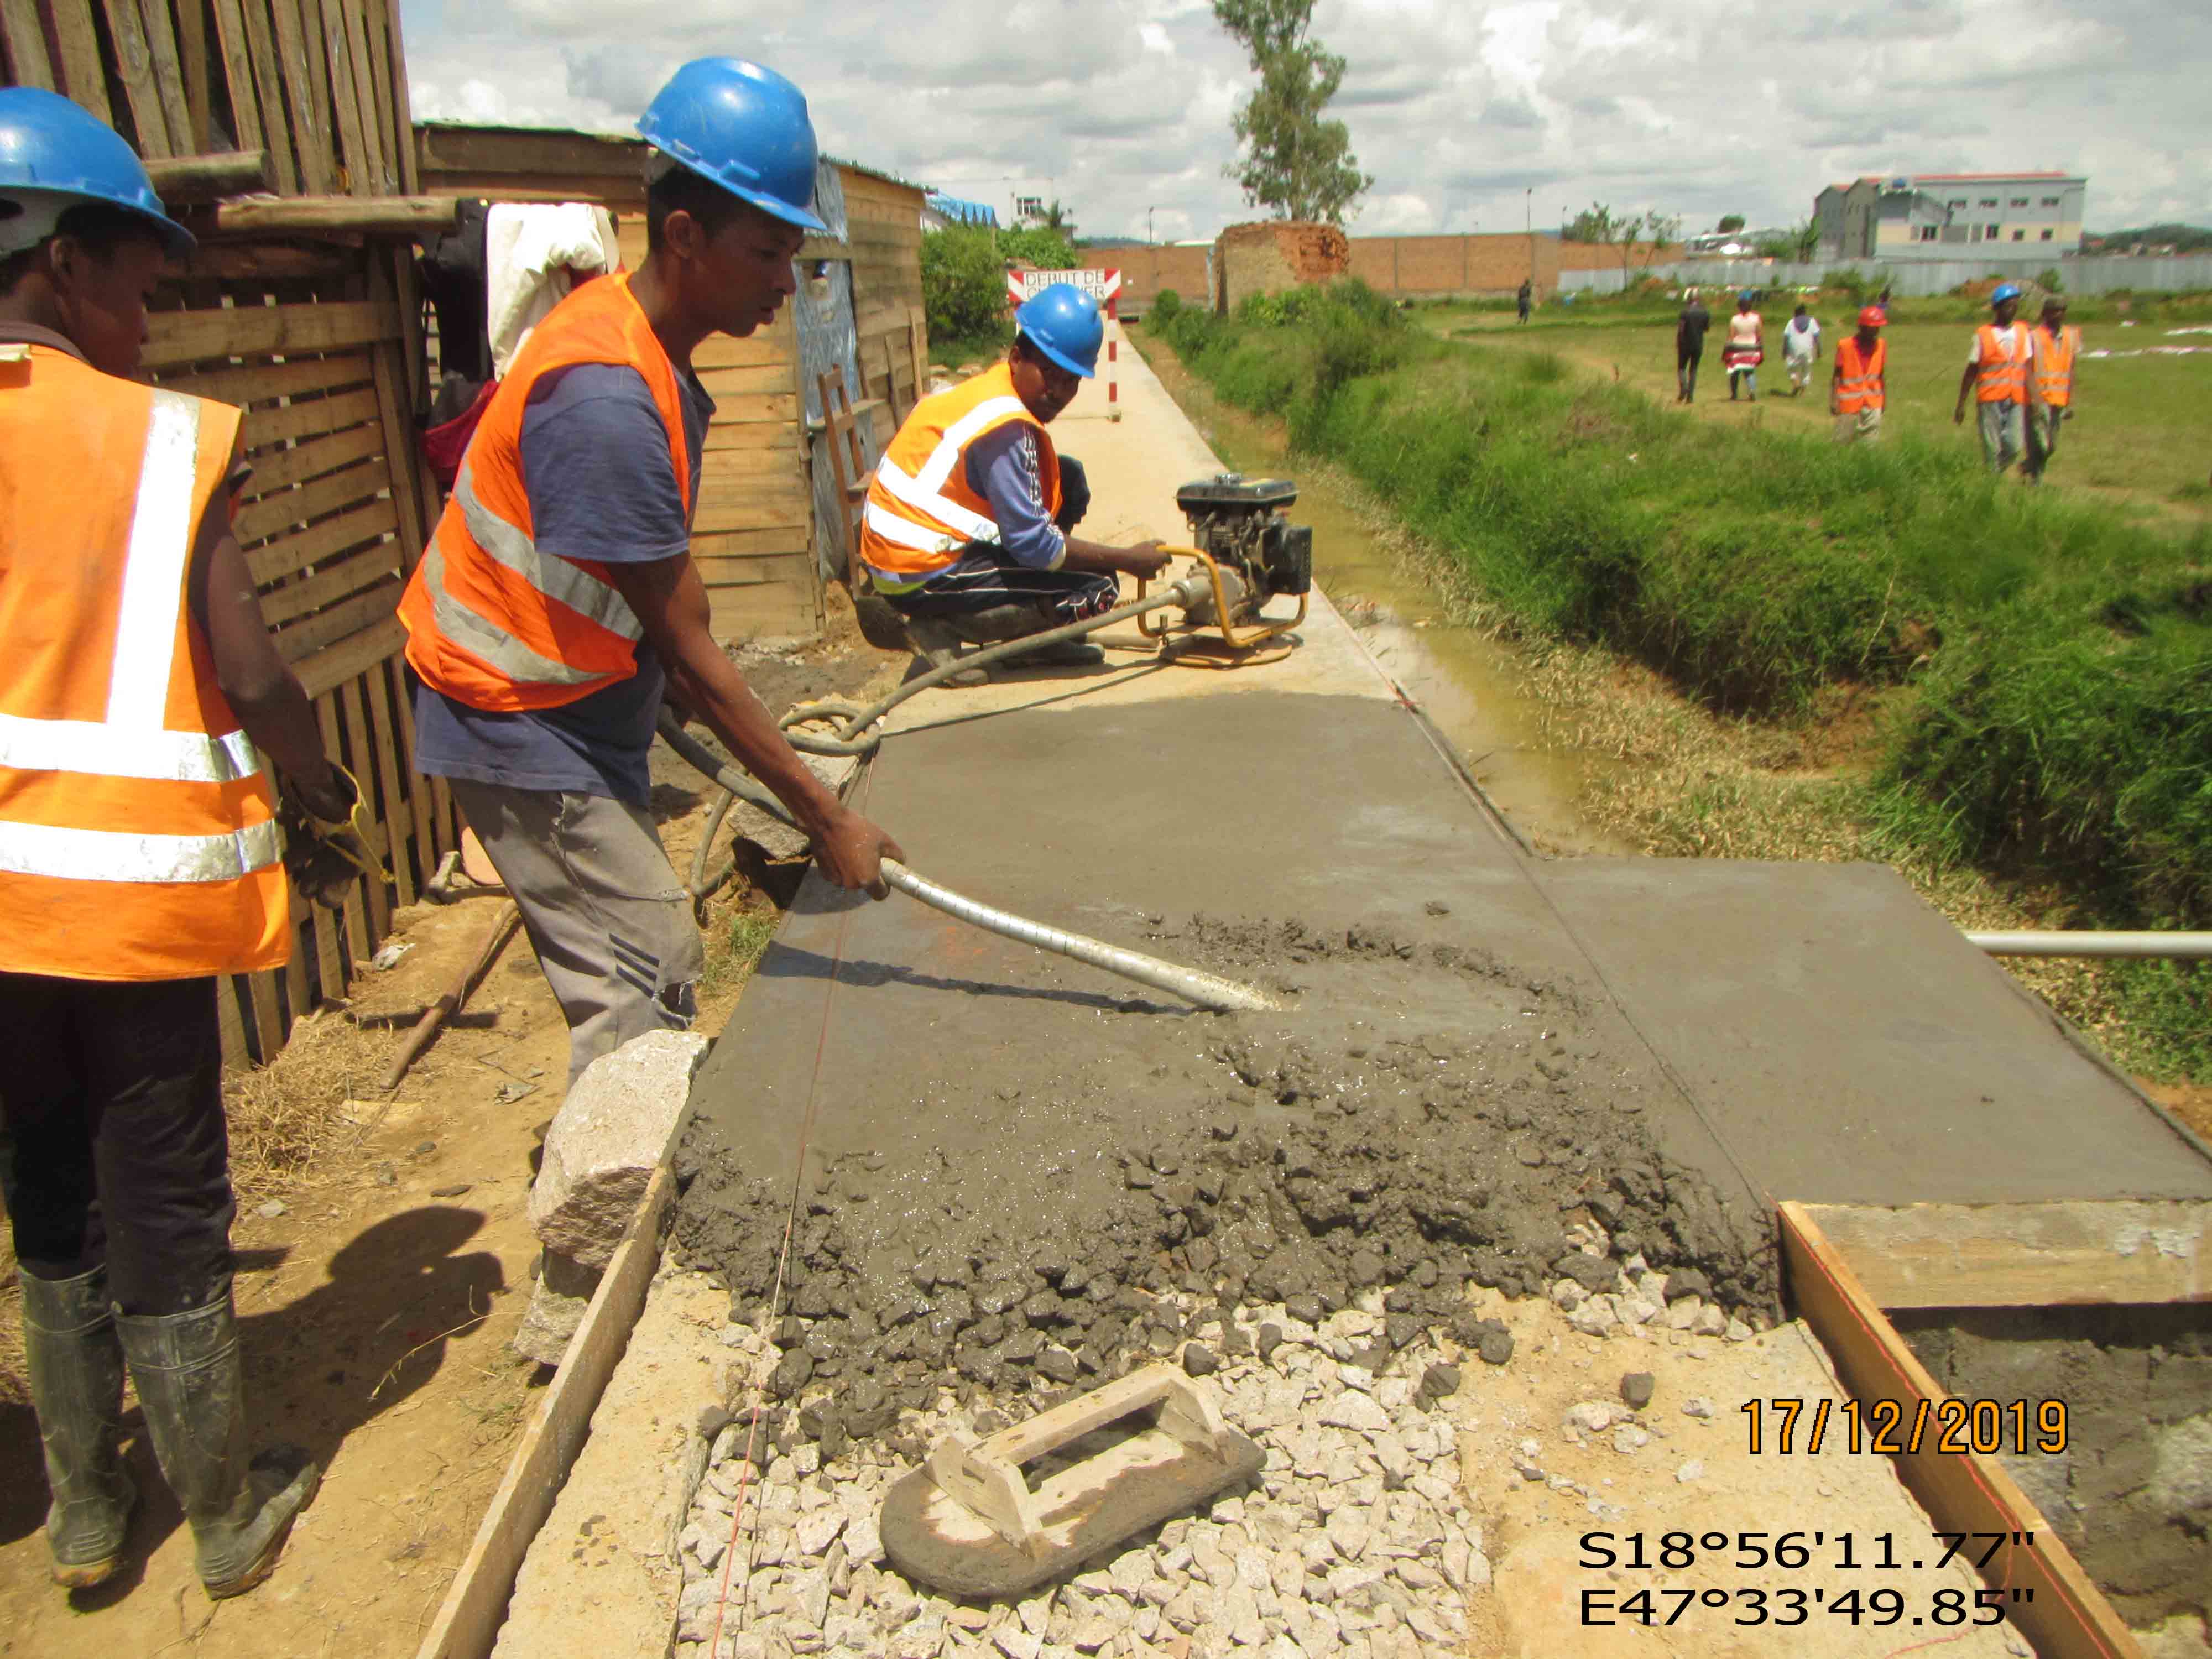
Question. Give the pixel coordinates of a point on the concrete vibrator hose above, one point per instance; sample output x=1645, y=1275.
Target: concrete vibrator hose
x=1206, y=990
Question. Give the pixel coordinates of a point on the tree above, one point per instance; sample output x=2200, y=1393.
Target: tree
x=1295, y=161
x=1729, y=222
x=1798, y=243
x=1659, y=229
x=1594, y=226
x=1057, y=220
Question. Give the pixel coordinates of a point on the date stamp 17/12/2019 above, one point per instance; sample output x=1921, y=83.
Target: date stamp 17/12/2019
x=1885, y=1428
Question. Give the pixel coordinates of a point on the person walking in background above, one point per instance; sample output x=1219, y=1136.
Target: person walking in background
x=1521, y=300
x=1801, y=349
x=2053, y=348
x=1881, y=303
x=1746, y=349
x=1857, y=389
x=1997, y=373
x=1690, y=345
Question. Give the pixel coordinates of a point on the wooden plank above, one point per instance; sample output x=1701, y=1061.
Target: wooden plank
x=324, y=542
x=264, y=262
x=229, y=1026
x=372, y=73
x=732, y=351
x=330, y=583
x=2026, y=1255
x=237, y=49
x=268, y=88
x=363, y=748
x=763, y=467
x=268, y=1018
x=313, y=36
x=403, y=116
x=274, y=514
x=332, y=629
x=751, y=380
x=429, y=847
x=357, y=142
x=415, y=217
x=299, y=995
x=755, y=438
x=308, y=133
x=208, y=176
x=279, y=469
x=326, y=717
x=192, y=53
x=309, y=419
x=79, y=71
x=349, y=657
x=785, y=565
x=178, y=337
x=24, y=36
x=251, y=385
x=780, y=409
x=330, y=961
x=743, y=543
x=476, y=1604
x=169, y=75
x=461, y=152
x=2067, y=1618
x=779, y=610
x=738, y=512
x=133, y=67
x=394, y=403
x=398, y=822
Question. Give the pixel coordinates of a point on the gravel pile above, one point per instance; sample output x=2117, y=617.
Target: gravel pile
x=1354, y=1541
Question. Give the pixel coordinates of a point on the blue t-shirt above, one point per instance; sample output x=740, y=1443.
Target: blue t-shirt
x=595, y=462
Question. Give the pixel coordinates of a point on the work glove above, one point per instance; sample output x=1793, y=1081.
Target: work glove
x=325, y=856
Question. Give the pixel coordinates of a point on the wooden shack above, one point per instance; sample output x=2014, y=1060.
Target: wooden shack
x=279, y=130
x=768, y=531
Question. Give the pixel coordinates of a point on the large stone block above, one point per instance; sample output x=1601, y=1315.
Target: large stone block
x=612, y=1131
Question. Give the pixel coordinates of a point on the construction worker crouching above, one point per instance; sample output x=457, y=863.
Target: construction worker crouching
x=1857, y=386
x=558, y=597
x=967, y=531
x=139, y=858
x=1997, y=373
x=2054, y=350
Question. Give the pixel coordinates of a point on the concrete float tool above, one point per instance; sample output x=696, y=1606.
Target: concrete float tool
x=969, y=1523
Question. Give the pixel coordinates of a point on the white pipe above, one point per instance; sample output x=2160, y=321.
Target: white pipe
x=1207, y=990
x=2176, y=946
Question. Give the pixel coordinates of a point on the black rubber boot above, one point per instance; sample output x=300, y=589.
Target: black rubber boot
x=75, y=1364
x=192, y=1388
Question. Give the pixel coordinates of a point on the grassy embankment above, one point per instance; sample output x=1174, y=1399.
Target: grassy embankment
x=2043, y=663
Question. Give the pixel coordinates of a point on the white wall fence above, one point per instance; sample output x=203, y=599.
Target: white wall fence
x=1917, y=278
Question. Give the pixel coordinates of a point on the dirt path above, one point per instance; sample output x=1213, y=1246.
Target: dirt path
x=376, y=1294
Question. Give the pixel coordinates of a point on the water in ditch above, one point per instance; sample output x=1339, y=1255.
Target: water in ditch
x=1470, y=684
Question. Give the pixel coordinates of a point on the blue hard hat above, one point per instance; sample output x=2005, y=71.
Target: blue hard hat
x=1744, y=297
x=742, y=126
x=2004, y=291
x=1063, y=322
x=55, y=154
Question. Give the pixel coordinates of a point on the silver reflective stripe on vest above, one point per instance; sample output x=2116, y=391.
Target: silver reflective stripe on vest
x=154, y=572
x=40, y=849
x=115, y=751
x=968, y=525
x=556, y=578
x=493, y=644
x=961, y=433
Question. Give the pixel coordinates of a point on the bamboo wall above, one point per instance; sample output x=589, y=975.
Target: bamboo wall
x=321, y=85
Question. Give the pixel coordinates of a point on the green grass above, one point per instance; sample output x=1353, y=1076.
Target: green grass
x=2055, y=651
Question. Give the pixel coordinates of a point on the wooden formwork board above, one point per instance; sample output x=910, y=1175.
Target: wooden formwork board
x=2054, y=1254
x=475, y=1607
x=2067, y=1616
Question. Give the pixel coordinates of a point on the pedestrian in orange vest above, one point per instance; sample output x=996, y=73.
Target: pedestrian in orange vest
x=2054, y=350
x=558, y=600
x=139, y=858
x=1857, y=385
x=1997, y=373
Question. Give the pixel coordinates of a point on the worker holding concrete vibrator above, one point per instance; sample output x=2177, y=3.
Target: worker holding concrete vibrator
x=140, y=857
x=968, y=532
x=557, y=601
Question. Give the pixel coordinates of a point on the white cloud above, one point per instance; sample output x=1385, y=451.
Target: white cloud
x=1699, y=107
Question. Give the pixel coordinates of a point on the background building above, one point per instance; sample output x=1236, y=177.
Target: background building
x=1934, y=215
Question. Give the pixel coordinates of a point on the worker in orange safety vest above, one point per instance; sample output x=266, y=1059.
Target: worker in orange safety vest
x=1996, y=375
x=139, y=858
x=1857, y=386
x=969, y=527
x=558, y=602
x=2054, y=350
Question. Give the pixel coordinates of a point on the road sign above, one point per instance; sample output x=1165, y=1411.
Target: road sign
x=1100, y=285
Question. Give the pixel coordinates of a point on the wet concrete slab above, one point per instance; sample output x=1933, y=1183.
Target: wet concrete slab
x=1849, y=1046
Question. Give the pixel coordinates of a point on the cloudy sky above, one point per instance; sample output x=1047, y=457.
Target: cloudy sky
x=1121, y=107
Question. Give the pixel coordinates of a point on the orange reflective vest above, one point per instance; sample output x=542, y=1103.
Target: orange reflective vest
x=138, y=838
x=1858, y=380
x=2002, y=364
x=2054, y=364
x=921, y=510
x=491, y=622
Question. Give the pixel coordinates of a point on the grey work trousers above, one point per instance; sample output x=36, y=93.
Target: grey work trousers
x=609, y=922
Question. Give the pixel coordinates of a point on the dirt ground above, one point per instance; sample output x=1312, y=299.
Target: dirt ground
x=376, y=1291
